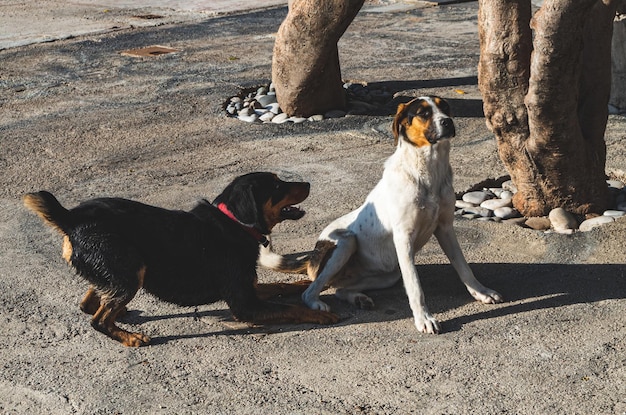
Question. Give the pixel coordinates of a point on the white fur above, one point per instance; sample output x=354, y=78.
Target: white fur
x=376, y=243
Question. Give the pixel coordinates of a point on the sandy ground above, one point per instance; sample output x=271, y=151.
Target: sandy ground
x=81, y=120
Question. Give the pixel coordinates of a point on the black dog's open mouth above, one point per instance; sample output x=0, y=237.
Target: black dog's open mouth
x=291, y=212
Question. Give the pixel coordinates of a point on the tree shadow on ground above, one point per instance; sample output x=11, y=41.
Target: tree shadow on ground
x=467, y=107
x=525, y=287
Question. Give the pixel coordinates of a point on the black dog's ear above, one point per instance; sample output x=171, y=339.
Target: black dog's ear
x=239, y=199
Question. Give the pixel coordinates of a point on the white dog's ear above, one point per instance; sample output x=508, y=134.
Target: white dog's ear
x=395, y=127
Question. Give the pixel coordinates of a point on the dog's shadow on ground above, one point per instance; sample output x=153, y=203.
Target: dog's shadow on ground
x=525, y=287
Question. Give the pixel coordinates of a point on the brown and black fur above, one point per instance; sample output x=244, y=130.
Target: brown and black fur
x=187, y=258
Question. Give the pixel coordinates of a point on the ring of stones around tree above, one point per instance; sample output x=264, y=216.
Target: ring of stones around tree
x=491, y=200
x=259, y=104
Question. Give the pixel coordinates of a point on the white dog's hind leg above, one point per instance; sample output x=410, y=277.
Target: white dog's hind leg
x=450, y=245
x=328, y=259
x=353, y=293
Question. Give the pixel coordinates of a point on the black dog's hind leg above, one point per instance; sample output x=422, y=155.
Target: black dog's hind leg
x=111, y=305
x=274, y=289
x=91, y=303
x=247, y=306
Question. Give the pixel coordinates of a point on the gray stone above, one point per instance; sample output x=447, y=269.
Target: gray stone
x=266, y=100
x=538, y=223
x=477, y=210
x=484, y=219
x=589, y=224
x=273, y=107
x=506, y=212
x=494, y=204
x=515, y=221
x=475, y=197
x=562, y=219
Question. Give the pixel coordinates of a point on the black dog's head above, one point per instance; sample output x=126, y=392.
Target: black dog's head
x=423, y=121
x=262, y=200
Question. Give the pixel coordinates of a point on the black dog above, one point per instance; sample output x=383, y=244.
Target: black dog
x=187, y=258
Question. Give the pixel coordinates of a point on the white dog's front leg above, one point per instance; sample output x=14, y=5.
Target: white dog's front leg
x=450, y=245
x=424, y=322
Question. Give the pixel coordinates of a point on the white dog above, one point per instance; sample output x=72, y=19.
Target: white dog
x=374, y=245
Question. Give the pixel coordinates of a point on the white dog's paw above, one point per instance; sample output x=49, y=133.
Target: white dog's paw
x=487, y=296
x=426, y=323
x=318, y=305
x=363, y=302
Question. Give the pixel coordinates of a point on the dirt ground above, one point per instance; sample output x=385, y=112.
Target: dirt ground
x=81, y=120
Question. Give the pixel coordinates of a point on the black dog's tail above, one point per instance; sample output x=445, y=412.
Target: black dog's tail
x=48, y=208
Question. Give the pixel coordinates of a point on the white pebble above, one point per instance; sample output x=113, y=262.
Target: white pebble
x=496, y=203
x=615, y=183
x=614, y=213
x=245, y=112
x=460, y=204
x=506, y=212
x=508, y=185
x=475, y=197
x=267, y=117
x=316, y=117
x=506, y=194
x=280, y=118
x=565, y=231
x=589, y=224
x=471, y=216
x=296, y=120
x=562, y=219
x=248, y=118
x=496, y=191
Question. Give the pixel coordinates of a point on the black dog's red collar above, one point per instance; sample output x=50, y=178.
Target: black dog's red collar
x=250, y=229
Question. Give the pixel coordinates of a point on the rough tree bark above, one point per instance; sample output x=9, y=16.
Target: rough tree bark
x=305, y=65
x=546, y=98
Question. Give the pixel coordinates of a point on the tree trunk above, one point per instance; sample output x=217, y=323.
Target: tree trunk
x=305, y=66
x=546, y=100
x=618, y=66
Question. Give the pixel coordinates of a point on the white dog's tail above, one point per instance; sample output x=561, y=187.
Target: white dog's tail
x=290, y=263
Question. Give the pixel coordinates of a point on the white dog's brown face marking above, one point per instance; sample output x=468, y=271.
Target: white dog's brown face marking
x=423, y=121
